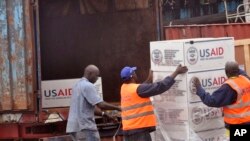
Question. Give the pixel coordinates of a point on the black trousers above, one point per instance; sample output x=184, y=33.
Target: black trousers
x=142, y=136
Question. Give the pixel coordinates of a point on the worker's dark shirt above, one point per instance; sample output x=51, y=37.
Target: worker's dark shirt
x=150, y=89
x=147, y=90
x=223, y=96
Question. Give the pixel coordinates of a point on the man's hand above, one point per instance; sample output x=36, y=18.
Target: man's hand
x=111, y=117
x=181, y=69
x=196, y=82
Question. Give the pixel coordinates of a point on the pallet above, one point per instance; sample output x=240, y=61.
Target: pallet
x=242, y=53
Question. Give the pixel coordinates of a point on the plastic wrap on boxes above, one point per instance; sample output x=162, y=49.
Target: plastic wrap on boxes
x=180, y=112
x=189, y=124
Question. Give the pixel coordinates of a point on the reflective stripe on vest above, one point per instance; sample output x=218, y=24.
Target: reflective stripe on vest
x=240, y=104
x=141, y=105
x=237, y=88
x=138, y=115
x=245, y=114
x=239, y=112
x=239, y=95
x=136, y=106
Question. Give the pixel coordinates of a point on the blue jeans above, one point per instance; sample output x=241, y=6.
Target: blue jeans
x=86, y=135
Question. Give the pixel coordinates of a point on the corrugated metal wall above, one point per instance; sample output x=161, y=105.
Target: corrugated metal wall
x=16, y=56
x=238, y=31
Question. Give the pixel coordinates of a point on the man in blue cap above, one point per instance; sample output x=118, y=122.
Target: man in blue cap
x=138, y=117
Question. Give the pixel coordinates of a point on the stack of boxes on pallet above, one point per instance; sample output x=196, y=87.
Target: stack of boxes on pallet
x=181, y=114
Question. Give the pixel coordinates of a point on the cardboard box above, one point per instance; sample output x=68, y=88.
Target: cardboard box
x=181, y=106
x=210, y=135
x=168, y=114
x=197, y=54
x=180, y=112
x=196, y=116
x=210, y=80
x=182, y=132
x=203, y=118
x=183, y=91
x=177, y=94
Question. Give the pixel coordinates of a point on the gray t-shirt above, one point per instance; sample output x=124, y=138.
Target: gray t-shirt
x=83, y=101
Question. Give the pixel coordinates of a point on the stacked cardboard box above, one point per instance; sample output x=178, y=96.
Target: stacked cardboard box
x=181, y=114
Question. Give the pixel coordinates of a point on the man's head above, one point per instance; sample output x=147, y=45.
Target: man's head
x=128, y=74
x=232, y=69
x=91, y=72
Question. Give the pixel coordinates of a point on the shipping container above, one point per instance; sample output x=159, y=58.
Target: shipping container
x=43, y=40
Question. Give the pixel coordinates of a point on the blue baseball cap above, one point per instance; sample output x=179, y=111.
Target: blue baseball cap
x=126, y=72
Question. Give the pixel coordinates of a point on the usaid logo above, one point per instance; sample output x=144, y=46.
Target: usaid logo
x=197, y=115
x=156, y=56
x=192, y=55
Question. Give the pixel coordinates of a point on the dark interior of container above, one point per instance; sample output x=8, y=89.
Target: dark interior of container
x=110, y=34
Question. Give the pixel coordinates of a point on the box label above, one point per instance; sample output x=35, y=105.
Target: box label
x=210, y=80
x=57, y=93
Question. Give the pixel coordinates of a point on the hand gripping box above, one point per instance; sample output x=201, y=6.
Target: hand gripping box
x=197, y=54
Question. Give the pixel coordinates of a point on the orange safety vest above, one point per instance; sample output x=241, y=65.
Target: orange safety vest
x=238, y=112
x=137, y=112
